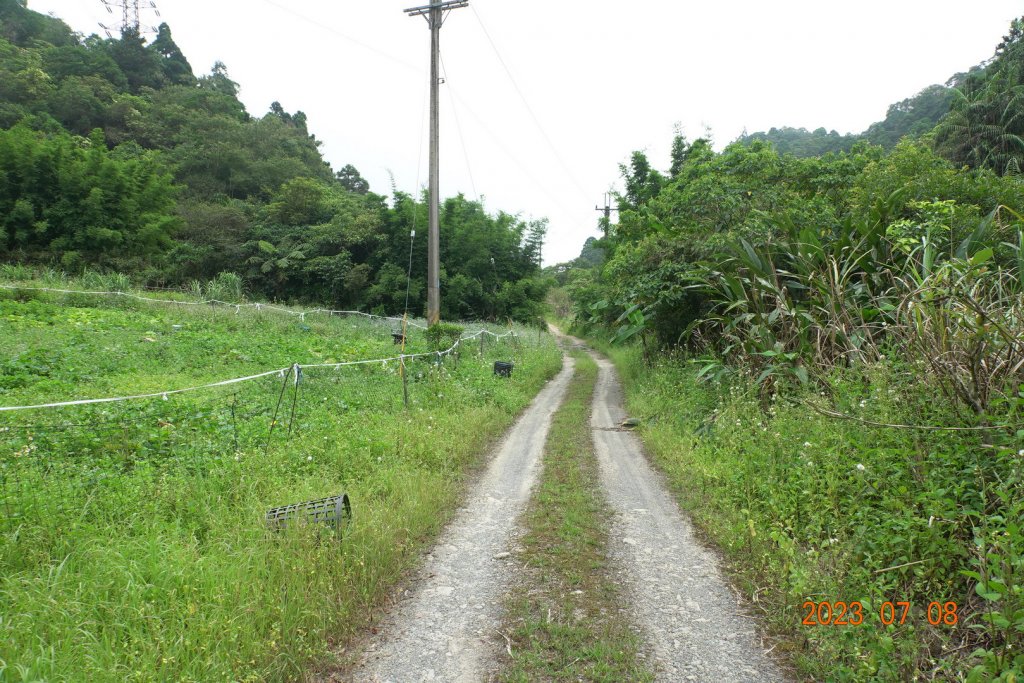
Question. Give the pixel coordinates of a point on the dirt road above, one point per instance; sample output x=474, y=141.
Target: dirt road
x=694, y=628
x=447, y=627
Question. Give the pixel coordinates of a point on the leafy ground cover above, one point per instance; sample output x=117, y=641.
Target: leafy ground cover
x=810, y=509
x=565, y=616
x=132, y=540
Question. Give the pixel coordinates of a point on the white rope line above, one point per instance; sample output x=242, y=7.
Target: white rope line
x=259, y=306
x=159, y=394
x=280, y=372
x=206, y=302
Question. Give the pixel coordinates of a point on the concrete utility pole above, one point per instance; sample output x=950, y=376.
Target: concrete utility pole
x=607, y=212
x=435, y=15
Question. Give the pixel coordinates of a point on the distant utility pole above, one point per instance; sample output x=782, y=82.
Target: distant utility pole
x=435, y=15
x=130, y=11
x=607, y=212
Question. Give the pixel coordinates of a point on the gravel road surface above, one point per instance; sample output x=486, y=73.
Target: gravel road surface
x=690, y=619
x=446, y=628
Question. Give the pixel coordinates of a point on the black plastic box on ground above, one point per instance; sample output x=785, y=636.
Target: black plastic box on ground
x=503, y=369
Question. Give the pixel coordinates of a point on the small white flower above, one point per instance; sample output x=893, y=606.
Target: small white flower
x=309, y=458
x=860, y=467
x=807, y=444
x=1021, y=452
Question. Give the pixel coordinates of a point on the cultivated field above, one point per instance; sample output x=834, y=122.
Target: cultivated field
x=132, y=535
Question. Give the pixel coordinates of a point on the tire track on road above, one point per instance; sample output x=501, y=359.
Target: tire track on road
x=446, y=629
x=692, y=621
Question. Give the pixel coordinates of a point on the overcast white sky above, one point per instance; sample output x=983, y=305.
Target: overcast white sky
x=602, y=79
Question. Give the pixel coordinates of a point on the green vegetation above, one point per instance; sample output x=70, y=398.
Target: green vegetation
x=974, y=120
x=840, y=383
x=803, y=143
x=115, y=156
x=984, y=127
x=808, y=507
x=132, y=536
x=913, y=117
x=564, y=617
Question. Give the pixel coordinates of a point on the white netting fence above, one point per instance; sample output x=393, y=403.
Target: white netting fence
x=59, y=454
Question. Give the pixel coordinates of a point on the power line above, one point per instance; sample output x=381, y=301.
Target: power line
x=343, y=36
x=131, y=15
x=408, y=278
x=529, y=109
x=508, y=153
x=415, y=212
x=458, y=128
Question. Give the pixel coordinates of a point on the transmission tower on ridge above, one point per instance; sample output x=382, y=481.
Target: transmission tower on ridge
x=131, y=12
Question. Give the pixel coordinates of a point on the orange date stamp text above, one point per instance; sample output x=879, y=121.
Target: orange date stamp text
x=841, y=613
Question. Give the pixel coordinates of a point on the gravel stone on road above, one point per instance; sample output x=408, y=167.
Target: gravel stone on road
x=688, y=616
x=447, y=627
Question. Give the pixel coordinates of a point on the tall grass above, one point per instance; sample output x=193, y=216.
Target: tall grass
x=132, y=542
x=806, y=304
x=894, y=353
x=807, y=507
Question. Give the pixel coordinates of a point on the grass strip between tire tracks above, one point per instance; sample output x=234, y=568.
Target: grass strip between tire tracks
x=564, y=619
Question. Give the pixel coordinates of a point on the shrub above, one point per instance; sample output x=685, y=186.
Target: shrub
x=443, y=336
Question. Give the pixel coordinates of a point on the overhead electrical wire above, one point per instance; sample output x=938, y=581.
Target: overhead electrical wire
x=529, y=109
x=458, y=128
x=453, y=95
x=508, y=153
x=343, y=36
x=415, y=212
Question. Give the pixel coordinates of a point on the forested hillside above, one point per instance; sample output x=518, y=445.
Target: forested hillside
x=827, y=349
x=115, y=155
x=914, y=116
x=979, y=112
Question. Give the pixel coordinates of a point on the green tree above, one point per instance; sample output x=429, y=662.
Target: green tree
x=350, y=179
x=176, y=68
x=141, y=66
x=219, y=81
